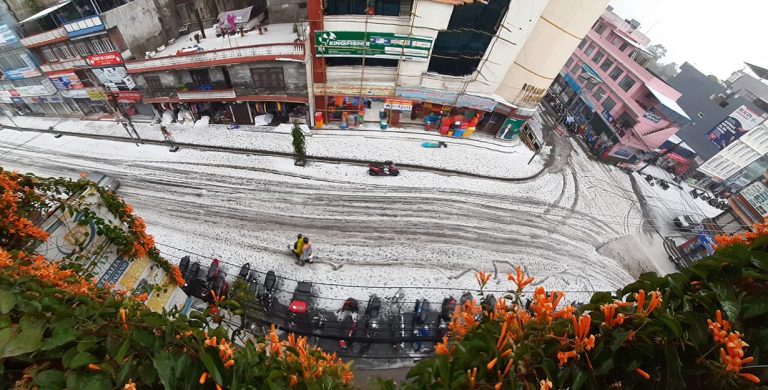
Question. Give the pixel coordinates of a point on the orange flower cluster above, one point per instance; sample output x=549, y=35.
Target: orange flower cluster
x=177, y=278
x=12, y=224
x=483, y=278
x=610, y=318
x=143, y=242
x=519, y=278
x=758, y=230
x=47, y=272
x=640, y=302
x=732, y=355
x=312, y=362
x=464, y=319
x=544, y=305
x=225, y=349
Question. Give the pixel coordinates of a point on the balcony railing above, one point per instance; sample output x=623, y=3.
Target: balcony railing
x=204, y=59
x=66, y=64
x=84, y=26
x=205, y=95
x=52, y=36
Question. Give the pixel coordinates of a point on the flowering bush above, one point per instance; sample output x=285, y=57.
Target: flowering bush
x=705, y=327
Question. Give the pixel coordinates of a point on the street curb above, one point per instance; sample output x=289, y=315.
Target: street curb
x=265, y=152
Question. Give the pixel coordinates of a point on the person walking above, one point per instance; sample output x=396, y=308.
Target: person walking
x=298, y=246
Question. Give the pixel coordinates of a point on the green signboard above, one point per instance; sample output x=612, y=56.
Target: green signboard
x=510, y=129
x=372, y=44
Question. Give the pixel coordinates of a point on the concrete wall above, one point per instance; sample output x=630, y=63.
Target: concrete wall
x=287, y=11
x=294, y=74
x=555, y=36
x=141, y=24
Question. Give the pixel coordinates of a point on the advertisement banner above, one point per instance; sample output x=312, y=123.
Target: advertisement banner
x=113, y=78
x=427, y=95
x=396, y=104
x=21, y=73
x=95, y=94
x=7, y=35
x=476, y=102
x=106, y=59
x=65, y=81
x=733, y=127
x=128, y=97
x=510, y=129
x=353, y=90
x=372, y=45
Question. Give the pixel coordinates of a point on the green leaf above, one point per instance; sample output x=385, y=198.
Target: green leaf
x=82, y=359
x=581, y=377
x=755, y=309
x=210, y=364
x=617, y=338
x=671, y=323
x=66, y=359
x=601, y=297
x=7, y=301
x=164, y=364
x=29, y=340
x=5, y=336
x=96, y=382
x=674, y=376
x=49, y=379
x=60, y=336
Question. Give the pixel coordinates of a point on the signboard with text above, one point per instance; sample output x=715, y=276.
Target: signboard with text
x=106, y=59
x=372, y=45
x=128, y=97
x=113, y=78
x=733, y=127
x=7, y=35
x=353, y=90
x=399, y=105
x=64, y=81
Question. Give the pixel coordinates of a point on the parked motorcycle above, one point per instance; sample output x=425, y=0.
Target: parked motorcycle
x=245, y=269
x=372, y=321
x=419, y=322
x=488, y=303
x=396, y=319
x=447, y=309
x=386, y=169
x=213, y=270
x=266, y=292
x=348, y=321
x=298, y=309
x=184, y=264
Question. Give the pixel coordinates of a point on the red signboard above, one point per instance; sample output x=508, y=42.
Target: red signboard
x=128, y=97
x=105, y=59
x=559, y=130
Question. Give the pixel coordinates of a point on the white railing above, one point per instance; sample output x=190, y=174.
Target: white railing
x=38, y=39
x=218, y=94
x=67, y=64
x=222, y=56
x=73, y=28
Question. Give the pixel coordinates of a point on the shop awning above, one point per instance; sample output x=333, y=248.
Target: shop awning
x=668, y=102
x=45, y=12
x=591, y=73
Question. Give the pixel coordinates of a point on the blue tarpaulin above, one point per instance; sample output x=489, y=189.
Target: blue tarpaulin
x=572, y=83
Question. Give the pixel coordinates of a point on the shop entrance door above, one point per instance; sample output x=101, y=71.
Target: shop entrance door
x=240, y=112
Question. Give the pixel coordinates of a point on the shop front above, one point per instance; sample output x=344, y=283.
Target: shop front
x=130, y=105
x=240, y=112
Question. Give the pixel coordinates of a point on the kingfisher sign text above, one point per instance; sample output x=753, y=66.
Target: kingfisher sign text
x=372, y=44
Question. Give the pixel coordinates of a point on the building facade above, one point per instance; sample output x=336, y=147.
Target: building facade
x=622, y=111
x=455, y=69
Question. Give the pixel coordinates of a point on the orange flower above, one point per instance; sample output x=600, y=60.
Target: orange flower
x=203, y=378
x=218, y=387
x=544, y=304
x=347, y=376
x=83, y=175
x=545, y=384
x=491, y=364
x=520, y=280
x=122, y=319
x=497, y=386
x=294, y=381
x=177, y=277
x=442, y=347
x=564, y=356
x=609, y=315
x=94, y=367
x=142, y=298
x=482, y=278
x=471, y=377
x=750, y=378
x=642, y=373
x=130, y=385
x=581, y=330
x=230, y=363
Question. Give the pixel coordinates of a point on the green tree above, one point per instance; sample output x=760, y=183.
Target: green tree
x=299, y=146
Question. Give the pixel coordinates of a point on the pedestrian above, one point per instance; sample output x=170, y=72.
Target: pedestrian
x=298, y=246
x=168, y=138
x=306, y=252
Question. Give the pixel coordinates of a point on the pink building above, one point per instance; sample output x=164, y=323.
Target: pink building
x=627, y=112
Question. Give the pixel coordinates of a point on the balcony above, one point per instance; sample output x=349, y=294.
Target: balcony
x=62, y=65
x=204, y=59
x=206, y=95
x=85, y=26
x=46, y=38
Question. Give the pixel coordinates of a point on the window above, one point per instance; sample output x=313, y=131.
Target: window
x=48, y=54
x=607, y=64
x=590, y=49
x=608, y=104
x=569, y=62
x=200, y=78
x=599, y=29
x=268, y=78
x=626, y=83
x=575, y=69
x=623, y=46
x=108, y=44
x=352, y=61
x=597, y=57
x=582, y=43
x=599, y=94
x=65, y=51
x=370, y=7
x=153, y=83
x=102, y=45
x=615, y=41
x=616, y=73
x=83, y=49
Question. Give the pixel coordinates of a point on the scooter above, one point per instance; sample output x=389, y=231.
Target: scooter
x=265, y=292
x=372, y=320
x=386, y=169
x=298, y=309
x=348, y=321
x=419, y=323
x=213, y=270
x=446, y=312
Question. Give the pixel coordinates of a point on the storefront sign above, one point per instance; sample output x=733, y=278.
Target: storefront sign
x=128, y=97
x=65, y=80
x=353, y=90
x=652, y=116
x=105, y=59
x=6, y=94
x=95, y=94
x=372, y=45
x=46, y=88
x=7, y=35
x=113, y=78
x=21, y=73
x=510, y=129
x=476, y=102
x=399, y=105
x=75, y=93
x=427, y=95
x=733, y=127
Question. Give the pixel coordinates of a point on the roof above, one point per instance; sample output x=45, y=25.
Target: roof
x=276, y=33
x=45, y=12
x=668, y=102
x=591, y=72
x=759, y=71
x=631, y=41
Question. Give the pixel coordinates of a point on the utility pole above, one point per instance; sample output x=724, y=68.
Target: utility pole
x=670, y=150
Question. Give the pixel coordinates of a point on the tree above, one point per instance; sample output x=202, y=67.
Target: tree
x=658, y=51
x=299, y=147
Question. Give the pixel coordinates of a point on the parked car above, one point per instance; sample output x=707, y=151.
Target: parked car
x=685, y=222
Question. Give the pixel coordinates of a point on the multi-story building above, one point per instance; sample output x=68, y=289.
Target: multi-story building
x=451, y=66
x=24, y=90
x=625, y=112
x=83, y=45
